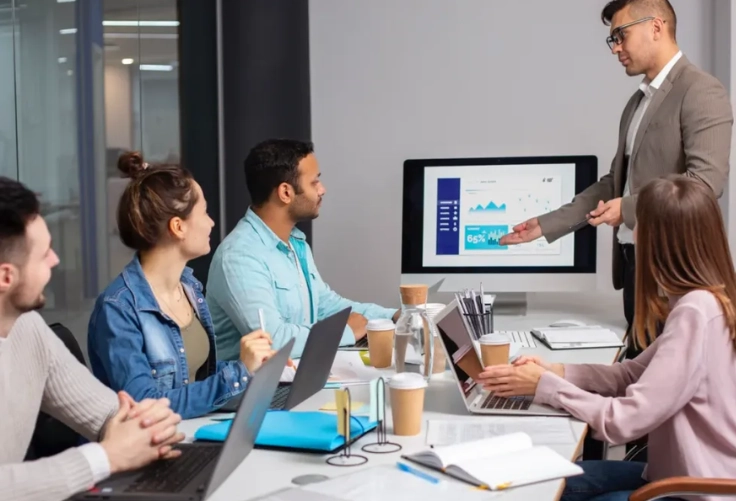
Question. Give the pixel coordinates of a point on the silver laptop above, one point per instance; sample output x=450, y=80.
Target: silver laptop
x=464, y=361
x=202, y=466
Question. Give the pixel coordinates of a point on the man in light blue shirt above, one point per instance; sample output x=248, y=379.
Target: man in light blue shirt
x=266, y=264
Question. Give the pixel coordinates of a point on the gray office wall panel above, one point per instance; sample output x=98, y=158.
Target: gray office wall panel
x=198, y=109
x=264, y=69
x=265, y=66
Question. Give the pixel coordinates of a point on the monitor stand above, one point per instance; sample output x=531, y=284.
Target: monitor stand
x=510, y=304
x=506, y=303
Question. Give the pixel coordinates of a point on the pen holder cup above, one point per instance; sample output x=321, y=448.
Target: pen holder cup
x=479, y=323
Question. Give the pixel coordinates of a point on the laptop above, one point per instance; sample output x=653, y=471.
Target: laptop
x=202, y=467
x=463, y=358
x=314, y=365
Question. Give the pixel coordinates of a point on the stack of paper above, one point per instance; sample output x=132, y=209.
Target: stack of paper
x=566, y=338
x=542, y=430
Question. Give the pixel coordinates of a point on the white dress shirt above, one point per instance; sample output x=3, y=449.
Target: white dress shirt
x=626, y=234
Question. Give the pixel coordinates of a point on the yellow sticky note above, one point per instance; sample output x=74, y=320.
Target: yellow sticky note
x=332, y=406
x=341, y=405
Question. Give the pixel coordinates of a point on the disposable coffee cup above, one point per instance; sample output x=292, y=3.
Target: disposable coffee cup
x=414, y=294
x=407, y=402
x=381, y=342
x=494, y=349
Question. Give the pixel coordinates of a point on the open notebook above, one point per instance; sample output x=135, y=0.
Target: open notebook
x=570, y=338
x=497, y=463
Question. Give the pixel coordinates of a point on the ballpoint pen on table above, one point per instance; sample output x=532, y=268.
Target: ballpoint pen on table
x=417, y=473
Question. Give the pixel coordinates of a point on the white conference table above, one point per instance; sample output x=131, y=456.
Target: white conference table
x=266, y=471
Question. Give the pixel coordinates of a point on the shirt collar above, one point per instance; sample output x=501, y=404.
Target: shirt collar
x=139, y=287
x=648, y=87
x=268, y=237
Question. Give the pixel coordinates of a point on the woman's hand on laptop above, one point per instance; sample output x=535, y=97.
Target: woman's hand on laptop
x=558, y=369
x=510, y=380
x=255, y=348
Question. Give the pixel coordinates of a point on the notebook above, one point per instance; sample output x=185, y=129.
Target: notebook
x=497, y=463
x=570, y=338
x=303, y=431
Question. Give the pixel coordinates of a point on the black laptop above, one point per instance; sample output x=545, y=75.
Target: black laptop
x=202, y=467
x=314, y=365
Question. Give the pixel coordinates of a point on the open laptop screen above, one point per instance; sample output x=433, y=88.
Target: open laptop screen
x=459, y=345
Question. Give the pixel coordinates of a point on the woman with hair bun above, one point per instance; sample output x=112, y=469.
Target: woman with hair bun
x=151, y=333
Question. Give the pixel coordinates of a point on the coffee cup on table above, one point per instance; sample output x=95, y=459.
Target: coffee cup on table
x=407, y=402
x=381, y=342
x=494, y=349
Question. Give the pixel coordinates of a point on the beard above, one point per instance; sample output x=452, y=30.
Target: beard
x=23, y=305
x=303, y=210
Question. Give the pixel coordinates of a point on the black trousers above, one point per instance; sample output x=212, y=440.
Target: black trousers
x=594, y=449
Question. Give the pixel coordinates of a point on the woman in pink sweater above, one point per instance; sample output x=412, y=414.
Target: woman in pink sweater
x=681, y=391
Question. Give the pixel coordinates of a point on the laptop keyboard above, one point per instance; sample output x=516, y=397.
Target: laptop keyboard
x=362, y=342
x=173, y=475
x=524, y=338
x=508, y=404
x=279, y=398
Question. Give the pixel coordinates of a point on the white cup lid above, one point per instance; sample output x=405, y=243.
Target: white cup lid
x=497, y=338
x=380, y=324
x=407, y=381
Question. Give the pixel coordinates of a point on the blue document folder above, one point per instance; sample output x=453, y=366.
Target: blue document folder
x=308, y=431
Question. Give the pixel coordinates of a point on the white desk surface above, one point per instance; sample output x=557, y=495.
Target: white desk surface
x=265, y=471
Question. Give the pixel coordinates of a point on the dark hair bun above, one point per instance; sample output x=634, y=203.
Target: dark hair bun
x=131, y=164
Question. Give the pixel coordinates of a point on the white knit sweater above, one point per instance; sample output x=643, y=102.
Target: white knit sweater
x=38, y=372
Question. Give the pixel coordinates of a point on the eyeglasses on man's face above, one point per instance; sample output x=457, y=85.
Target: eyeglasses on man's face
x=617, y=35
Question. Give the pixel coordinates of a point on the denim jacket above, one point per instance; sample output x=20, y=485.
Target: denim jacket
x=136, y=347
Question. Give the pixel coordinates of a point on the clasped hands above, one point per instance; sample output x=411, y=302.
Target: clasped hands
x=518, y=379
x=140, y=432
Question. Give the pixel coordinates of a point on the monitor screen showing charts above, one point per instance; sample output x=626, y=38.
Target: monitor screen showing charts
x=456, y=211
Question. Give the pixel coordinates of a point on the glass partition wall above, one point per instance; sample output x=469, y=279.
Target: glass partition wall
x=80, y=82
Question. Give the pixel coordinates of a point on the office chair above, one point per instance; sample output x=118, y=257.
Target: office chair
x=679, y=486
x=51, y=436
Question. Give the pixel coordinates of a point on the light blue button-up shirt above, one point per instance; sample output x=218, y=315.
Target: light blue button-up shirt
x=254, y=269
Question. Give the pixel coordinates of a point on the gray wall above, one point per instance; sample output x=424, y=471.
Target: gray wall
x=421, y=78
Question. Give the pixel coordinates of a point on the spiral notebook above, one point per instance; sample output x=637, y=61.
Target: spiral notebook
x=497, y=463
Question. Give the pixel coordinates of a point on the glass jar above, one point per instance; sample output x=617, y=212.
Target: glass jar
x=414, y=342
x=440, y=361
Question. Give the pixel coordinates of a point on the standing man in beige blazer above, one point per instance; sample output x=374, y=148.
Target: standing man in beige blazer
x=679, y=121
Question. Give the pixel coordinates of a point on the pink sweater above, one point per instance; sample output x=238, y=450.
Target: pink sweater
x=681, y=391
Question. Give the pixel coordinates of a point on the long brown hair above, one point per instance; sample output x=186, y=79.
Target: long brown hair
x=681, y=246
x=156, y=194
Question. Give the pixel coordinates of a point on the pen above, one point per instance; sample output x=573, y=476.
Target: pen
x=417, y=473
x=260, y=319
x=289, y=361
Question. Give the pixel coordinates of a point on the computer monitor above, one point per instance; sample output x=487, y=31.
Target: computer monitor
x=456, y=209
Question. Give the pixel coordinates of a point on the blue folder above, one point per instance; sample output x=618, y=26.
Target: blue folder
x=306, y=431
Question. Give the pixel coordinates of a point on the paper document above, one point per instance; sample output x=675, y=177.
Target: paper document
x=296, y=494
x=580, y=335
x=543, y=431
x=388, y=482
x=348, y=368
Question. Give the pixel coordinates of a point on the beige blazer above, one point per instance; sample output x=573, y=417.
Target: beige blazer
x=685, y=130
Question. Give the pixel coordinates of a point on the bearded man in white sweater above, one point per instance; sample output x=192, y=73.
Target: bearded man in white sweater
x=37, y=371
